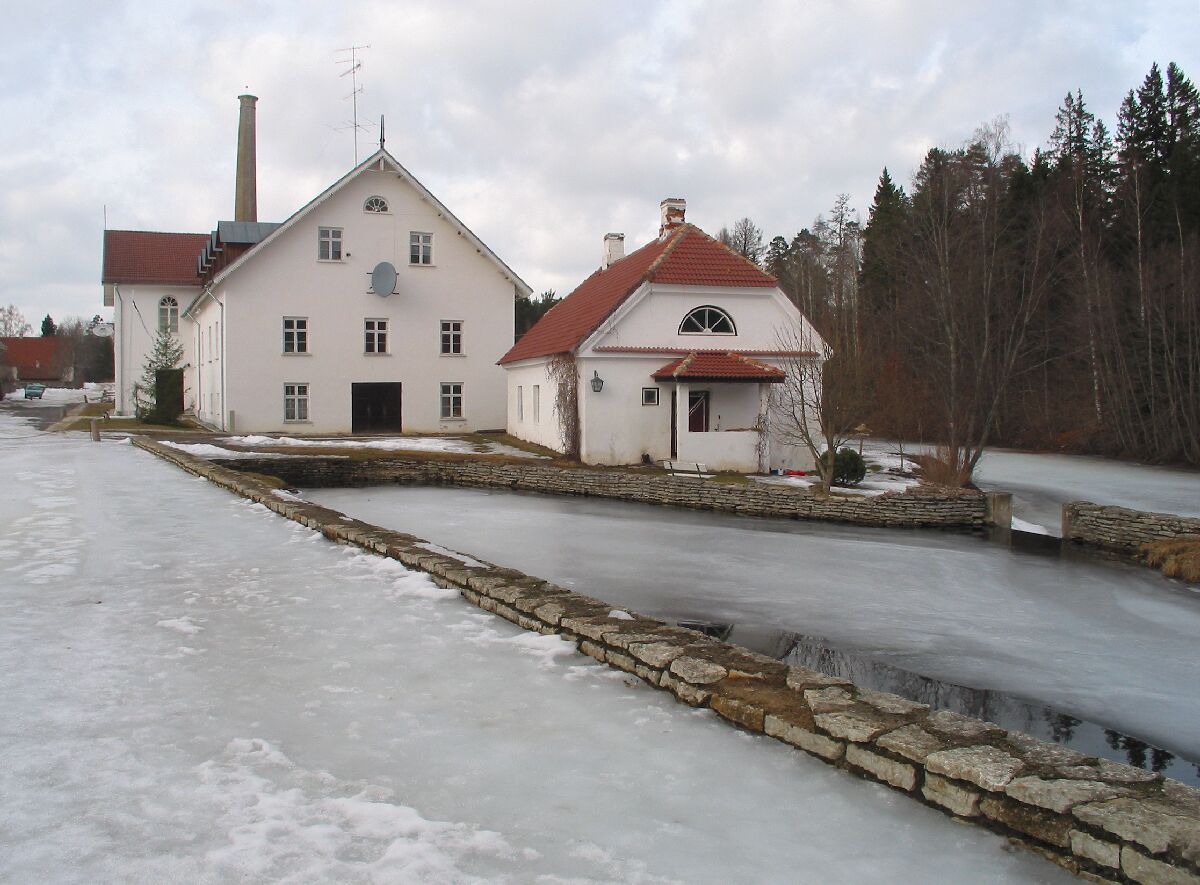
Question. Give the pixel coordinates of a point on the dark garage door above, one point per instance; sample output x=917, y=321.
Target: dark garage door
x=375, y=407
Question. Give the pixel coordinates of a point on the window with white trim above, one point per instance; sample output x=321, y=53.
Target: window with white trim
x=649, y=396
x=420, y=247
x=295, y=334
x=295, y=402
x=375, y=336
x=452, y=399
x=452, y=337
x=168, y=314
x=537, y=403
x=520, y=403
x=329, y=244
x=707, y=320
x=375, y=204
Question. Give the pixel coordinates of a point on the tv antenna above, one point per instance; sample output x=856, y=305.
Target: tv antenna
x=353, y=66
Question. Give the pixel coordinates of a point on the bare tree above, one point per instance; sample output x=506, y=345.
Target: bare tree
x=821, y=400
x=12, y=323
x=746, y=239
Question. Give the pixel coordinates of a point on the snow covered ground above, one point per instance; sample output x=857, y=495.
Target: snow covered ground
x=1107, y=642
x=52, y=396
x=196, y=690
x=454, y=444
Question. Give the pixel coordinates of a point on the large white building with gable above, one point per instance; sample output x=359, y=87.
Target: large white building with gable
x=373, y=308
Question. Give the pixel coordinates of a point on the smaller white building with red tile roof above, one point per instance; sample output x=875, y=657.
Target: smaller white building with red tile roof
x=670, y=352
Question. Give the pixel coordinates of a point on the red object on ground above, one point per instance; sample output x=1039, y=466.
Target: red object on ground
x=794, y=473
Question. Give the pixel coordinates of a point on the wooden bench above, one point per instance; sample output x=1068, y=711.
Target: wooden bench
x=684, y=468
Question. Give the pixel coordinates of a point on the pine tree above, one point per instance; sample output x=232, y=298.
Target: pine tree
x=48, y=327
x=166, y=355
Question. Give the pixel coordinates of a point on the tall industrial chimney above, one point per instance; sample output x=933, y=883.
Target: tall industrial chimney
x=245, y=197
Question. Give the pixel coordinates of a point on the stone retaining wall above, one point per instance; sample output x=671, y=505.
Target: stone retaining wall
x=918, y=507
x=1099, y=819
x=1121, y=529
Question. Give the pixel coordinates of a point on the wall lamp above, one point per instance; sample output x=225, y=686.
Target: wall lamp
x=597, y=381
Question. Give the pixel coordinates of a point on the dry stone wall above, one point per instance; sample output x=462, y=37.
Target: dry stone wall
x=1121, y=529
x=914, y=508
x=1102, y=820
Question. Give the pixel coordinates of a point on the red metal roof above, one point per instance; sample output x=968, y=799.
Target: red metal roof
x=707, y=366
x=687, y=257
x=138, y=256
x=35, y=359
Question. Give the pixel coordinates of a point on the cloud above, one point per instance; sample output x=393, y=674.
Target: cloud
x=543, y=125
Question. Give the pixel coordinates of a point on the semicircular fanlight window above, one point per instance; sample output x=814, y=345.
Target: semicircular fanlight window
x=707, y=320
x=375, y=204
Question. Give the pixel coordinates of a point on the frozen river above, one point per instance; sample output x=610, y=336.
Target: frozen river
x=1041, y=484
x=196, y=690
x=1105, y=642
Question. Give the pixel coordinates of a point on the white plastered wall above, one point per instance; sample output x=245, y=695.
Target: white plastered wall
x=135, y=329
x=532, y=412
x=286, y=279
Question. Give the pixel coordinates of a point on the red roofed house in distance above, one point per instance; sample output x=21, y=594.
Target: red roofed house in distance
x=675, y=348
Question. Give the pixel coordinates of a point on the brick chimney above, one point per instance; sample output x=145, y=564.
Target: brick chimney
x=614, y=249
x=245, y=197
x=672, y=209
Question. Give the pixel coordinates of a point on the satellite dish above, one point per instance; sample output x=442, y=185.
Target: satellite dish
x=383, y=279
x=102, y=330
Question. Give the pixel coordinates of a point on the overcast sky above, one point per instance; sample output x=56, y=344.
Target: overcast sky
x=542, y=125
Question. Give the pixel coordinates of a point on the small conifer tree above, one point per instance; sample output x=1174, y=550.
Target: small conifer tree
x=166, y=355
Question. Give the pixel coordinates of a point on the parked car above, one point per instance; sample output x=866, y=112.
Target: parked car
x=34, y=391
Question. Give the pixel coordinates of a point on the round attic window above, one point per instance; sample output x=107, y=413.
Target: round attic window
x=375, y=204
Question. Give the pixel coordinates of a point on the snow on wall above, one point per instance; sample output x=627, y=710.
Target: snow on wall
x=1089, y=815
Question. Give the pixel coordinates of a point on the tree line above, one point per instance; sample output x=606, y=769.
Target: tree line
x=1052, y=303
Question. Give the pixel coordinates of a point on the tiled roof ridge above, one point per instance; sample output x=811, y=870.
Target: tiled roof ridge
x=752, y=362
x=684, y=364
x=164, y=233
x=675, y=239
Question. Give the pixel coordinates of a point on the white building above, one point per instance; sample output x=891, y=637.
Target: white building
x=669, y=352
x=372, y=308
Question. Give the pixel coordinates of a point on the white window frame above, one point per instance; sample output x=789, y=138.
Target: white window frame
x=295, y=401
x=451, y=337
x=650, y=396
x=376, y=205
x=422, y=241
x=168, y=314
x=330, y=246
x=297, y=336
x=375, y=336
x=707, y=322
x=537, y=404
x=520, y=403
x=451, y=401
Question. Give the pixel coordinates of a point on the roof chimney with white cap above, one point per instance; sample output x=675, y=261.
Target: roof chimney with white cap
x=672, y=209
x=614, y=249
x=245, y=197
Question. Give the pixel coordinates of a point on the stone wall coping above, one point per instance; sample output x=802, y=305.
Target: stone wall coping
x=1099, y=819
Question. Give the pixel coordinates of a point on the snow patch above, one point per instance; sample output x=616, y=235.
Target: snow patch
x=180, y=625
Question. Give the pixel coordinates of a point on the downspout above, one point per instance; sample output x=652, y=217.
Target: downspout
x=121, y=375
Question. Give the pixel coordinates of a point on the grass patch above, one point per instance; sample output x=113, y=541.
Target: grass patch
x=1175, y=557
x=732, y=479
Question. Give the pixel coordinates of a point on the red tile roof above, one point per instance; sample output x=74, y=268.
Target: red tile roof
x=687, y=257
x=137, y=256
x=35, y=359
x=707, y=366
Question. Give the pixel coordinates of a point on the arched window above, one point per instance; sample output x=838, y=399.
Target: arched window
x=168, y=314
x=375, y=204
x=707, y=320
